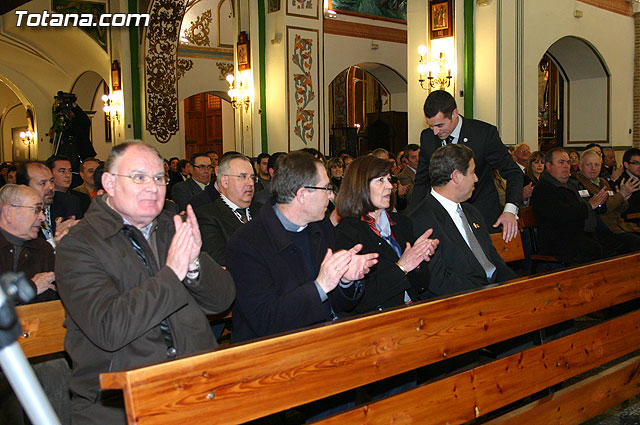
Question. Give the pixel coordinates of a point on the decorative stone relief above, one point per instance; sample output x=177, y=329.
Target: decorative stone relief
x=184, y=65
x=198, y=31
x=225, y=69
x=161, y=70
x=340, y=100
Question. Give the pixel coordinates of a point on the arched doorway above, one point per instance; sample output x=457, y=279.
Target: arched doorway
x=367, y=109
x=573, y=95
x=89, y=88
x=15, y=117
x=209, y=123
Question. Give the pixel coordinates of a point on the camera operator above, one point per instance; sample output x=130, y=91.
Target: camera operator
x=71, y=130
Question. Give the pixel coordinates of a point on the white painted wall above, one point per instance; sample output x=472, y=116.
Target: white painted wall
x=588, y=108
x=40, y=61
x=546, y=21
x=341, y=52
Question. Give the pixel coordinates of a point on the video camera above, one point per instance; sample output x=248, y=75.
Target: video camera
x=64, y=103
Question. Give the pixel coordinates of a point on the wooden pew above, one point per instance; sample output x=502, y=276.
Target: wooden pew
x=42, y=328
x=512, y=251
x=253, y=380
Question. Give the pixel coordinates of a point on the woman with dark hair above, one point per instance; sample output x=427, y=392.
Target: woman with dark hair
x=574, y=158
x=398, y=278
x=534, y=168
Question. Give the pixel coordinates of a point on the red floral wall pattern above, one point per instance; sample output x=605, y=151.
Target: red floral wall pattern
x=302, y=51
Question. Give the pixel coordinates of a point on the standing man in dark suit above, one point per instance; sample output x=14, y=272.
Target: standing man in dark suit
x=182, y=192
x=446, y=126
x=465, y=258
x=220, y=219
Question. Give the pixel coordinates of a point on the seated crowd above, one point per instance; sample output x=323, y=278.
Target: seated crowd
x=146, y=248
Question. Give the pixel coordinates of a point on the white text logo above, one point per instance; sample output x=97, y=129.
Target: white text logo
x=46, y=19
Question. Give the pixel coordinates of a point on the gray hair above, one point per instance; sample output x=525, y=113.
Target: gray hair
x=224, y=166
x=118, y=150
x=14, y=194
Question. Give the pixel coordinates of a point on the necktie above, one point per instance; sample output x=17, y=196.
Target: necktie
x=47, y=230
x=447, y=141
x=489, y=268
x=165, y=330
x=242, y=214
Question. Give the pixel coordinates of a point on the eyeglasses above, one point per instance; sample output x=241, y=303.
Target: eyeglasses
x=243, y=176
x=634, y=162
x=160, y=180
x=327, y=188
x=36, y=209
x=203, y=166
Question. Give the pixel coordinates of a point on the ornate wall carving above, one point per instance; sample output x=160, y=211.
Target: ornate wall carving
x=340, y=100
x=161, y=68
x=225, y=69
x=198, y=31
x=184, y=65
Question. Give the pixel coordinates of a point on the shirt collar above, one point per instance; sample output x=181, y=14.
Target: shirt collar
x=201, y=185
x=456, y=131
x=286, y=223
x=229, y=203
x=447, y=204
x=146, y=230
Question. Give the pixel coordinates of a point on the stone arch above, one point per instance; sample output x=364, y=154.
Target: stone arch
x=585, y=98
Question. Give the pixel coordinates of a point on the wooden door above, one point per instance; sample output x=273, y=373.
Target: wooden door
x=203, y=124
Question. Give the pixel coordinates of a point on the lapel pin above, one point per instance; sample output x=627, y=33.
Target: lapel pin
x=476, y=225
x=465, y=140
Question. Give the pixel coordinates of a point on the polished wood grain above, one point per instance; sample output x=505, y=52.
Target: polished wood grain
x=42, y=328
x=463, y=397
x=575, y=404
x=511, y=251
x=248, y=381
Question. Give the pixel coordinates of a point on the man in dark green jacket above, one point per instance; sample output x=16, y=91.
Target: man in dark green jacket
x=134, y=283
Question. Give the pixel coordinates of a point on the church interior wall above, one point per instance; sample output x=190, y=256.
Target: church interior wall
x=547, y=21
x=41, y=61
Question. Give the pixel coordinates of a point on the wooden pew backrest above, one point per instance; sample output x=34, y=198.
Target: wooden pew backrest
x=256, y=379
x=42, y=328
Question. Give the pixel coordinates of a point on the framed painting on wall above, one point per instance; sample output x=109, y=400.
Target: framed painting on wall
x=303, y=88
x=243, y=52
x=303, y=8
x=274, y=6
x=440, y=19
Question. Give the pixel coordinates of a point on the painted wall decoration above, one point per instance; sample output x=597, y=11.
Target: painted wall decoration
x=302, y=88
x=303, y=8
x=339, y=85
x=198, y=31
x=161, y=68
x=99, y=34
x=225, y=69
x=184, y=65
x=394, y=9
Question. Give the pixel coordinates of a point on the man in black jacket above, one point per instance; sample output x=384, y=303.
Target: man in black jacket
x=286, y=274
x=465, y=258
x=446, y=126
x=219, y=219
x=568, y=226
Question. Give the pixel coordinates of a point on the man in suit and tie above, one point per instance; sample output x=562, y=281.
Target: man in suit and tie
x=182, y=192
x=446, y=126
x=465, y=258
x=408, y=175
x=219, y=219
